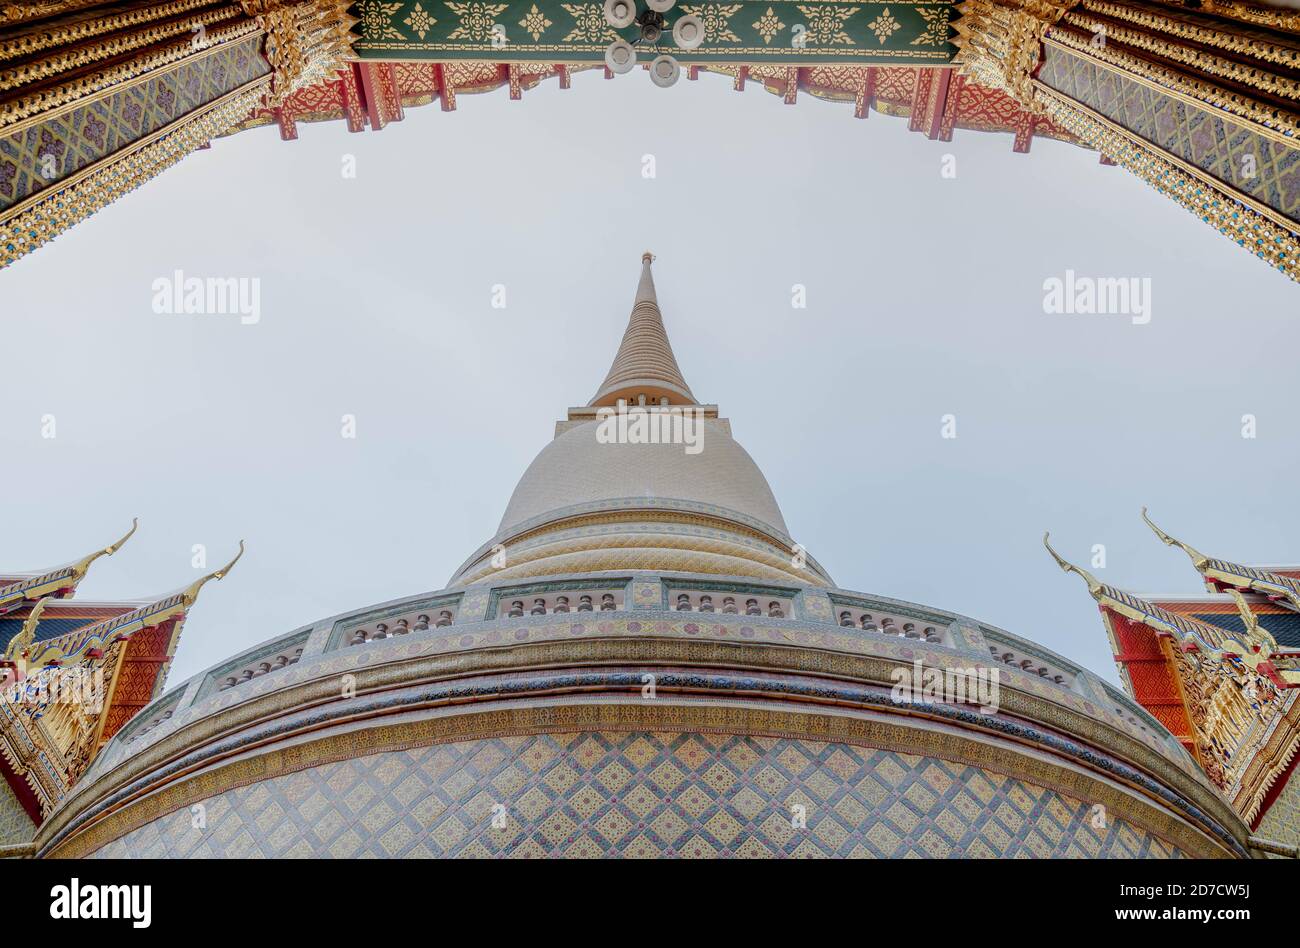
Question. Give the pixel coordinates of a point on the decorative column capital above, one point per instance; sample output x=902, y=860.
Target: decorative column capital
x=306, y=40
x=1000, y=42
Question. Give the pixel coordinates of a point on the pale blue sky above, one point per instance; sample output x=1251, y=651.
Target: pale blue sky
x=924, y=298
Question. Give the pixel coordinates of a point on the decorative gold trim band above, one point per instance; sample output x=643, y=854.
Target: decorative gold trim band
x=69, y=59
x=31, y=225
x=134, y=71
x=1262, y=117
x=1250, y=224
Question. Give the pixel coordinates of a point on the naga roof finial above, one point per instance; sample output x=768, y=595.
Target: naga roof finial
x=192, y=591
x=1094, y=585
x=82, y=565
x=1198, y=558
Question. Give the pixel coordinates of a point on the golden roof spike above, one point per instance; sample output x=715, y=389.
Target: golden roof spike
x=27, y=634
x=81, y=566
x=1094, y=586
x=1199, y=559
x=192, y=591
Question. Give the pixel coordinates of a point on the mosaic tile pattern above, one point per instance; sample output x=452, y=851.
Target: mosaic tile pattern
x=1225, y=149
x=1282, y=821
x=1283, y=626
x=598, y=794
x=43, y=153
x=15, y=825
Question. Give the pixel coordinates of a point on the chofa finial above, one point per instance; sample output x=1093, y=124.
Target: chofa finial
x=192, y=591
x=81, y=566
x=1198, y=558
x=1094, y=585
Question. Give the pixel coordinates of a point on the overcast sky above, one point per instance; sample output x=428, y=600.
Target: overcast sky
x=925, y=298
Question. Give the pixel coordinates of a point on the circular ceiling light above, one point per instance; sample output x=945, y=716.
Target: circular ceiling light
x=660, y=6
x=664, y=71
x=620, y=57
x=620, y=13
x=688, y=32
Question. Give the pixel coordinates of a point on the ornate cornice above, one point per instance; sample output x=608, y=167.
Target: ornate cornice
x=306, y=40
x=40, y=104
x=71, y=201
x=14, y=13
x=999, y=42
x=311, y=692
x=1256, y=14
x=1237, y=217
x=1173, y=72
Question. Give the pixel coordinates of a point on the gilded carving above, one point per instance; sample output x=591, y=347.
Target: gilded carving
x=1211, y=93
x=37, y=104
x=80, y=198
x=63, y=33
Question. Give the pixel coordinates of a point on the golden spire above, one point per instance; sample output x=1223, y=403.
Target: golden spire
x=192, y=590
x=645, y=364
x=1199, y=559
x=1094, y=586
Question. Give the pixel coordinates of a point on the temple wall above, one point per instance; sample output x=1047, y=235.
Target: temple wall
x=1282, y=821
x=639, y=794
x=15, y=825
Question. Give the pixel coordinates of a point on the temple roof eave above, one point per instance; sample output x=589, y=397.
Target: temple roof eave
x=59, y=580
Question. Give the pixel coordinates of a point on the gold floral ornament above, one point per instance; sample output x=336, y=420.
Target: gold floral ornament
x=476, y=20
x=768, y=25
x=936, y=27
x=589, y=23
x=419, y=21
x=715, y=18
x=535, y=23
x=826, y=24
x=377, y=20
x=884, y=26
